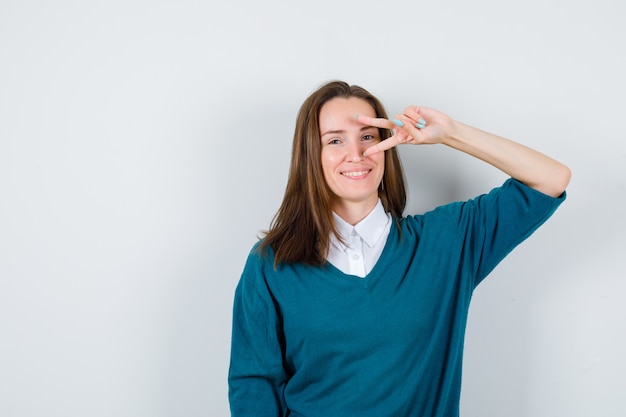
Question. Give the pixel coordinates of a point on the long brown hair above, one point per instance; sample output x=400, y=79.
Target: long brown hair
x=301, y=229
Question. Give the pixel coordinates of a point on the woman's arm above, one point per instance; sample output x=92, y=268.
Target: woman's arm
x=256, y=375
x=526, y=165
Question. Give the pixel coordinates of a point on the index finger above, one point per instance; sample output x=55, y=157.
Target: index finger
x=375, y=121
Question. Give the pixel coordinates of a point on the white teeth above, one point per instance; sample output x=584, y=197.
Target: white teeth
x=355, y=173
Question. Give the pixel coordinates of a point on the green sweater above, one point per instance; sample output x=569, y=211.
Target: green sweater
x=312, y=342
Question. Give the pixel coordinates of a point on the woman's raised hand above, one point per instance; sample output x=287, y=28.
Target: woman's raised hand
x=417, y=125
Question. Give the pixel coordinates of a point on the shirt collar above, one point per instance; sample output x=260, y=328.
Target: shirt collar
x=370, y=229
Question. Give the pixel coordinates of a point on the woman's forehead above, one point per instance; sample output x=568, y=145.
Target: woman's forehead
x=342, y=111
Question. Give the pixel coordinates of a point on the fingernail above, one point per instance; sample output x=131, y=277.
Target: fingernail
x=364, y=153
x=398, y=122
x=420, y=126
x=421, y=121
x=356, y=116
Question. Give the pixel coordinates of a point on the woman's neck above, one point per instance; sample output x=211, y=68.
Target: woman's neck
x=354, y=212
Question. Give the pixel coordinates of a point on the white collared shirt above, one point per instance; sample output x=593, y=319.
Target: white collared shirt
x=365, y=242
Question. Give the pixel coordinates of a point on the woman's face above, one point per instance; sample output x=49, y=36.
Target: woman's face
x=352, y=177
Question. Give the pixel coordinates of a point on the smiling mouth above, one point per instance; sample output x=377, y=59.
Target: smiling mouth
x=355, y=174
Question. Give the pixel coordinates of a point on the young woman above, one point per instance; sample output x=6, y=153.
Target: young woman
x=347, y=308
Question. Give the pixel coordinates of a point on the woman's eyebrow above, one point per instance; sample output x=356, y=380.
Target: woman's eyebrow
x=340, y=131
x=333, y=132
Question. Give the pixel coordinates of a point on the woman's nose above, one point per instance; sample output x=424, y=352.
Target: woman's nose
x=355, y=153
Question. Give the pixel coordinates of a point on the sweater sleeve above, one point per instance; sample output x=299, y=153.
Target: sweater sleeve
x=497, y=222
x=256, y=376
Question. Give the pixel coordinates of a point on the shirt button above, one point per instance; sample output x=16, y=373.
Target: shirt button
x=355, y=257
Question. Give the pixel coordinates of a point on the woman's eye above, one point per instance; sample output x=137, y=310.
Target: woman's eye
x=334, y=142
x=369, y=137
